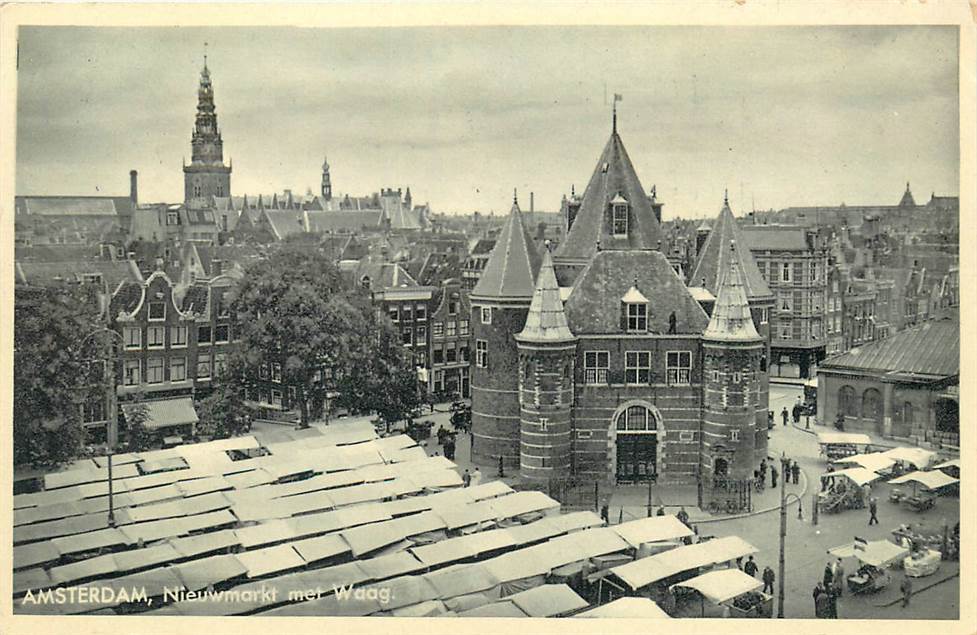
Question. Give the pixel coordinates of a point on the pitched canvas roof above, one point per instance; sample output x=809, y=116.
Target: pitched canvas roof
x=594, y=305
x=614, y=176
x=546, y=321
x=932, y=349
x=715, y=258
x=511, y=269
x=731, y=320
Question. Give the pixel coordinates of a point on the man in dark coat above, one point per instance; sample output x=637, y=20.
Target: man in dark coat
x=750, y=568
x=795, y=471
x=818, y=590
x=604, y=513
x=873, y=507
x=768, y=578
x=822, y=605
x=783, y=415
x=773, y=477
x=683, y=516
x=828, y=576
x=907, y=591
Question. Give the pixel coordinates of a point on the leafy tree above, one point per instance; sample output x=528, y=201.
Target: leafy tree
x=138, y=437
x=222, y=413
x=52, y=375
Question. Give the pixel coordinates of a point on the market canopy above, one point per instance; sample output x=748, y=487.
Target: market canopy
x=723, y=584
x=951, y=463
x=652, y=529
x=837, y=438
x=165, y=413
x=643, y=572
x=875, y=461
x=929, y=480
x=916, y=456
x=878, y=553
x=627, y=607
x=547, y=600
x=859, y=475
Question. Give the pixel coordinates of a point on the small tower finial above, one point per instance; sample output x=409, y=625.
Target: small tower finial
x=515, y=196
x=205, y=56
x=726, y=196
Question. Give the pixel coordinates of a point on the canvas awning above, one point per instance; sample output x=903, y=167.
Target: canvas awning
x=548, y=600
x=199, y=574
x=143, y=558
x=34, y=554
x=165, y=413
x=847, y=438
x=878, y=553
x=951, y=463
x=918, y=457
x=874, y=461
x=261, y=562
x=264, y=534
x=503, y=608
x=409, y=590
x=520, y=564
x=723, y=584
x=858, y=475
x=463, y=547
x=652, y=529
x=461, y=580
x=930, y=480
x=321, y=547
x=390, y=566
x=627, y=607
x=645, y=571
x=211, y=541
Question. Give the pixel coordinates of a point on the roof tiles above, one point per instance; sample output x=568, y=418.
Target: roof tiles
x=715, y=258
x=511, y=269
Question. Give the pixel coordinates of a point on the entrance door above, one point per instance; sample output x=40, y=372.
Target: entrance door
x=636, y=456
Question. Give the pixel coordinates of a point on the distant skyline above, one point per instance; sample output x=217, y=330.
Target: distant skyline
x=781, y=116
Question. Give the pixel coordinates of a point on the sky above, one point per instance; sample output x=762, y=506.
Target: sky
x=780, y=116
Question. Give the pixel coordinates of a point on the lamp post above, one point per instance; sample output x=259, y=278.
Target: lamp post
x=784, y=497
x=112, y=428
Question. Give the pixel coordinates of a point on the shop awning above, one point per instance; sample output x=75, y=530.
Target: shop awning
x=548, y=600
x=878, y=553
x=915, y=456
x=645, y=571
x=724, y=584
x=165, y=413
x=321, y=547
x=261, y=562
x=930, y=480
x=627, y=607
x=199, y=574
x=858, y=475
x=951, y=463
x=874, y=461
x=653, y=529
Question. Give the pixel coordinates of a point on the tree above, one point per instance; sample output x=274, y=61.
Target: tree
x=52, y=372
x=222, y=413
x=138, y=436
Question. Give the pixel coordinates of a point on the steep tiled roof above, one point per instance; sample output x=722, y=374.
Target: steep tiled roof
x=775, y=238
x=594, y=305
x=613, y=176
x=195, y=299
x=716, y=256
x=731, y=320
x=285, y=222
x=931, y=349
x=402, y=218
x=511, y=269
x=73, y=205
x=546, y=321
x=348, y=221
x=126, y=298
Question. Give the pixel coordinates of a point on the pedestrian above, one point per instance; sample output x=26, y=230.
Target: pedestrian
x=818, y=589
x=466, y=478
x=604, y=513
x=828, y=576
x=661, y=511
x=873, y=507
x=839, y=575
x=683, y=516
x=783, y=415
x=768, y=578
x=739, y=563
x=832, y=603
x=822, y=604
x=476, y=477
x=750, y=568
x=795, y=471
x=449, y=447
x=773, y=477
x=907, y=591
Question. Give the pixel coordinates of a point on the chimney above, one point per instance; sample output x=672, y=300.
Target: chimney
x=133, y=188
x=532, y=206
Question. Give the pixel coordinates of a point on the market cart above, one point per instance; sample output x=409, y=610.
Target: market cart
x=733, y=589
x=922, y=563
x=843, y=489
x=838, y=445
x=874, y=559
x=926, y=487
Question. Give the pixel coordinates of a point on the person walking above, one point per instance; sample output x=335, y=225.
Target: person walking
x=832, y=603
x=795, y=471
x=839, y=575
x=818, y=590
x=476, y=477
x=783, y=415
x=683, y=516
x=604, y=513
x=466, y=479
x=907, y=591
x=873, y=508
x=773, y=477
x=822, y=604
x=768, y=578
x=661, y=511
x=750, y=568
x=828, y=576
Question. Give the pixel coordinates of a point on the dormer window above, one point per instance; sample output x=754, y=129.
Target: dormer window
x=634, y=311
x=619, y=216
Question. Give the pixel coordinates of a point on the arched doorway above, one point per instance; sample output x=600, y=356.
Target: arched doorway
x=872, y=409
x=720, y=468
x=636, y=434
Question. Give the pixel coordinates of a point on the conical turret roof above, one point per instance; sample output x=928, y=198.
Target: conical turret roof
x=510, y=273
x=714, y=260
x=546, y=321
x=731, y=320
x=907, y=198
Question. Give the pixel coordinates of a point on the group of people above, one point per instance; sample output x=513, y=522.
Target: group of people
x=790, y=469
x=446, y=439
x=471, y=479
x=750, y=568
x=828, y=590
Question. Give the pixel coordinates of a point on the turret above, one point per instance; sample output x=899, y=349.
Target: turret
x=326, y=181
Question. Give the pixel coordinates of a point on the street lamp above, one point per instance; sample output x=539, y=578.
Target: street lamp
x=112, y=429
x=784, y=497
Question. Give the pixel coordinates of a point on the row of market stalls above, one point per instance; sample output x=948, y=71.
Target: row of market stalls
x=333, y=521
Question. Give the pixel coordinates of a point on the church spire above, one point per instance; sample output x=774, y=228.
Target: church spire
x=206, y=176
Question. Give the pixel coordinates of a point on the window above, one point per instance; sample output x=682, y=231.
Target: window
x=764, y=316
x=264, y=372
x=421, y=334
x=93, y=411
x=686, y=436
x=785, y=329
x=798, y=272
x=737, y=377
x=450, y=353
x=463, y=327
x=714, y=375
x=437, y=329
x=133, y=337
x=543, y=423
x=785, y=272
x=420, y=313
x=637, y=367
x=785, y=301
x=204, y=334
x=156, y=337
x=636, y=419
x=222, y=333
x=276, y=397
x=203, y=366
x=815, y=271
x=620, y=215
x=172, y=218
x=734, y=435
x=220, y=364
x=486, y=315
x=464, y=353
x=451, y=328
x=223, y=309
x=453, y=305
x=178, y=368
x=394, y=313
x=154, y=370
x=481, y=353
x=637, y=317
x=157, y=311
x=439, y=353
x=276, y=372
x=407, y=314
x=595, y=365
x=678, y=367
x=178, y=336
x=220, y=190
x=131, y=372
x=196, y=190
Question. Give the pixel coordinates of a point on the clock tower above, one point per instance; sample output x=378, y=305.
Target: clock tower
x=206, y=176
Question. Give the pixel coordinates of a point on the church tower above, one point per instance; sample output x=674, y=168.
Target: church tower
x=326, y=181
x=733, y=441
x=206, y=176
x=500, y=304
x=547, y=350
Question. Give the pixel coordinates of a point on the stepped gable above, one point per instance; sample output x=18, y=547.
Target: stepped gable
x=546, y=321
x=613, y=177
x=594, y=305
x=511, y=270
x=731, y=320
x=715, y=259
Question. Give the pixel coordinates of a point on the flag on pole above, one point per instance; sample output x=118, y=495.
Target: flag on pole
x=618, y=97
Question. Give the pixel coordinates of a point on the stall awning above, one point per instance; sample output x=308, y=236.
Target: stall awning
x=165, y=413
x=653, y=529
x=875, y=461
x=858, y=475
x=929, y=480
x=627, y=607
x=878, y=553
x=851, y=438
x=645, y=571
x=951, y=463
x=548, y=600
x=915, y=456
x=724, y=584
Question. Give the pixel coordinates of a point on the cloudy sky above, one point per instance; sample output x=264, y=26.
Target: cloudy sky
x=780, y=116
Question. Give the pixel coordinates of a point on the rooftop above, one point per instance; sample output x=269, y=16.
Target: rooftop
x=931, y=349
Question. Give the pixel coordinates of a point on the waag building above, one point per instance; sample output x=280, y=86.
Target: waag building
x=596, y=362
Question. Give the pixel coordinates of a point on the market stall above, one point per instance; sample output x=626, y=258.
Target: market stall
x=844, y=489
x=932, y=484
x=908, y=459
x=838, y=445
x=874, y=461
x=950, y=468
x=733, y=589
x=922, y=563
x=874, y=558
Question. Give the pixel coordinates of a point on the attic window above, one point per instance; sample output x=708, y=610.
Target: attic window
x=634, y=311
x=619, y=216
